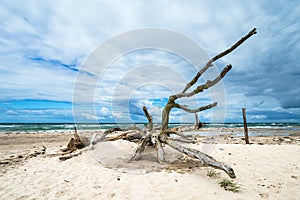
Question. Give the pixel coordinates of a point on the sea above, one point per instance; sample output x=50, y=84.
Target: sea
x=255, y=129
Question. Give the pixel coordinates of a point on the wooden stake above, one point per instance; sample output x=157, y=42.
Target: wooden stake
x=245, y=126
x=196, y=125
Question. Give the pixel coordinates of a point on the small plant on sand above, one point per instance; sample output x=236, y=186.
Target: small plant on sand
x=212, y=173
x=229, y=185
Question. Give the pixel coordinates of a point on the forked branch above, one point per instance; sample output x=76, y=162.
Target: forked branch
x=207, y=85
x=220, y=55
x=171, y=102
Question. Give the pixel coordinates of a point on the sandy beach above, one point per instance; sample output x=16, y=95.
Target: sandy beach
x=149, y=100
x=269, y=168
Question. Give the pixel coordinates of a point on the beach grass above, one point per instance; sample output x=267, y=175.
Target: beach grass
x=229, y=185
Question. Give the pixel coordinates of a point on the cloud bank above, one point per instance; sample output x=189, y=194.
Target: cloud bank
x=44, y=44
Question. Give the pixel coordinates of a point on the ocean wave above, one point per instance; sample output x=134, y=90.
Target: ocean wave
x=66, y=126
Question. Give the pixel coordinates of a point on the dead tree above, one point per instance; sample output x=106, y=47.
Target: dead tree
x=151, y=137
x=164, y=135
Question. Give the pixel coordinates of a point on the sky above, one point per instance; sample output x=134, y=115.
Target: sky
x=52, y=57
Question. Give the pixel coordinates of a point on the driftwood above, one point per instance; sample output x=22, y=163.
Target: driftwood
x=149, y=117
x=204, y=158
x=76, y=142
x=132, y=134
x=164, y=136
x=70, y=155
x=22, y=157
x=245, y=126
x=198, y=124
x=170, y=137
x=74, y=147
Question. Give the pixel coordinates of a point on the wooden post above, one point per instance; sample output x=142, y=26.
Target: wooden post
x=245, y=126
x=196, y=125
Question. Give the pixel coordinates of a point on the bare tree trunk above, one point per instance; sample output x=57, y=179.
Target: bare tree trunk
x=165, y=116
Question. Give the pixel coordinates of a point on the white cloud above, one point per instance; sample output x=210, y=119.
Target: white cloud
x=258, y=117
x=63, y=33
x=11, y=112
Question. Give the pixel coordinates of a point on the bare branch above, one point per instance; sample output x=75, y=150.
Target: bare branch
x=108, y=131
x=184, y=140
x=218, y=78
x=200, y=88
x=70, y=155
x=149, y=117
x=220, y=55
x=207, y=85
x=204, y=158
x=195, y=110
x=169, y=132
x=171, y=102
x=122, y=135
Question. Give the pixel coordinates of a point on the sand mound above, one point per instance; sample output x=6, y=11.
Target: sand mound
x=115, y=155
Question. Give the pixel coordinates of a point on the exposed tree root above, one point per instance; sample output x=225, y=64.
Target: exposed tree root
x=165, y=132
x=164, y=136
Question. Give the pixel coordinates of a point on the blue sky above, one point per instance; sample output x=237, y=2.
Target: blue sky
x=44, y=45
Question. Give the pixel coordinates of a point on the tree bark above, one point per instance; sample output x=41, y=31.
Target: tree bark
x=152, y=138
x=171, y=102
x=149, y=117
x=220, y=55
x=204, y=158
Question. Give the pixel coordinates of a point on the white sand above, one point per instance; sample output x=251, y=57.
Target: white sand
x=263, y=171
